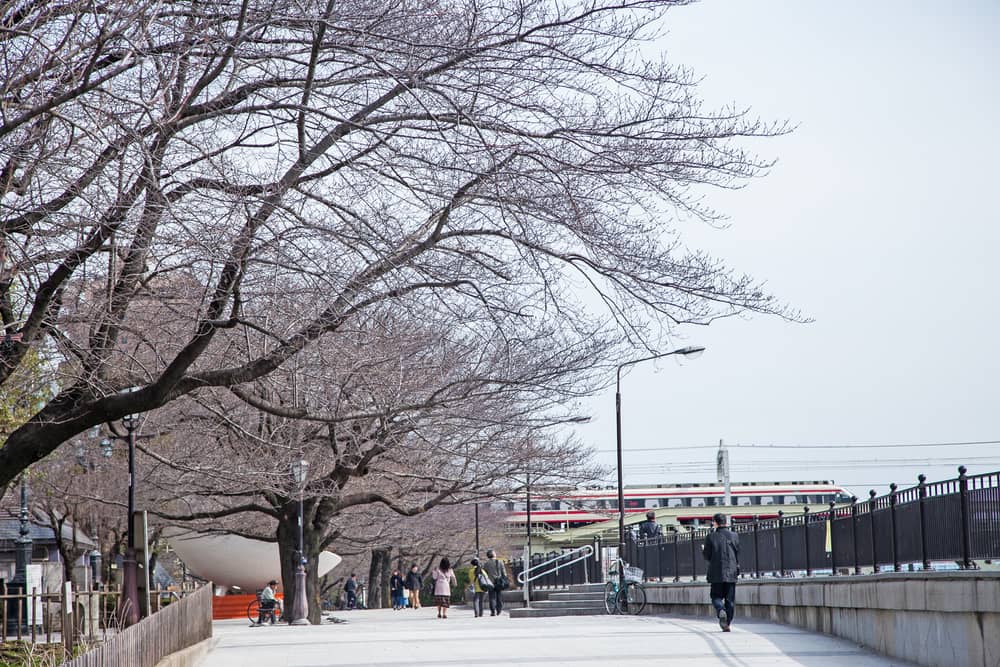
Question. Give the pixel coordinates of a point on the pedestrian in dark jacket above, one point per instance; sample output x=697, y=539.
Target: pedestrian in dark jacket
x=722, y=551
x=649, y=528
x=351, y=591
x=396, y=590
x=414, y=580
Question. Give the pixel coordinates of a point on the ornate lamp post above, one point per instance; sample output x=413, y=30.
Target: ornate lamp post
x=300, y=609
x=128, y=603
x=690, y=352
x=22, y=557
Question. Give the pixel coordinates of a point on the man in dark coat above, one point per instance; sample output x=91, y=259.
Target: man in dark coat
x=722, y=551
x=649, y=528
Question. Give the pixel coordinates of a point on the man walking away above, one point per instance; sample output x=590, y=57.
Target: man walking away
x=494, y=568
x=351, y=590
x=722, y=551
x=649, y=528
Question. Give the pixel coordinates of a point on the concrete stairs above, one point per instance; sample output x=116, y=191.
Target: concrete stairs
x=582, y=600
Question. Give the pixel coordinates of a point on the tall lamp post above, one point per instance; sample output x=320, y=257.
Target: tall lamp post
x=691, y=353
x=300, y=609
x=128, y=603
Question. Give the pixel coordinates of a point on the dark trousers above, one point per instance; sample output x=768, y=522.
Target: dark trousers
x=724, y=597
x=477, y=602
x=352, y=599
x=496, y=601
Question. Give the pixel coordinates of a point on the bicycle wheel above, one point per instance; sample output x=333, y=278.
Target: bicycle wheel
x=253, y=610
x=611, y=597
x=631, y=599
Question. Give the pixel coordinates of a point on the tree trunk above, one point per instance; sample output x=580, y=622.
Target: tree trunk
x=288, y=548
x=378, y=578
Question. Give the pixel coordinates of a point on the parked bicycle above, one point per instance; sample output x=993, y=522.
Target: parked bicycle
x=624, y=593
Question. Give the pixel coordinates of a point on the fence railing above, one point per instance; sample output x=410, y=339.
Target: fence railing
x=955, y=521
x=175, y=627
x=566, y=569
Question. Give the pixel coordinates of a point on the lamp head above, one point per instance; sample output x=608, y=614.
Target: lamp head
x=692, y=352
x=300, y=470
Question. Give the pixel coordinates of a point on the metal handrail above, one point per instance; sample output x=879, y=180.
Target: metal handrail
x=586, y=552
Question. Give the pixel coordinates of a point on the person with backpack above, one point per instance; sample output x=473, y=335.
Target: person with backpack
x=649, y=528
x=498, y=575
x=481, y=586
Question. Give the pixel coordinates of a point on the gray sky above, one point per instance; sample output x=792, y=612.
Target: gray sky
x=877, y=222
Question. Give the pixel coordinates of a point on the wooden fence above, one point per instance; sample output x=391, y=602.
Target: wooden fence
x=175, y=627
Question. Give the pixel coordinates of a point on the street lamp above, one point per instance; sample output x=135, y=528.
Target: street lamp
x=689, y=352
x=128, y=604
x=300, y=609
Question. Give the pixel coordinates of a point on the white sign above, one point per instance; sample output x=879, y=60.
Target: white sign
x=34, y=583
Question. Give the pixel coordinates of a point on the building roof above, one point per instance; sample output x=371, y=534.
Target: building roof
x=39, y=528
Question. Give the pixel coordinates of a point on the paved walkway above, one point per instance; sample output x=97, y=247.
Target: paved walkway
x=408, y=637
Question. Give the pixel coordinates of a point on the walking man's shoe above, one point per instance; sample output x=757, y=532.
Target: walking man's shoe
x=723, y=620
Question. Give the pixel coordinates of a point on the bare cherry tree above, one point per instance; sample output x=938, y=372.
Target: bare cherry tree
x=204, y=161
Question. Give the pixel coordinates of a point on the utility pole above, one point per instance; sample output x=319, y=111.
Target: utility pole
x=722, y=469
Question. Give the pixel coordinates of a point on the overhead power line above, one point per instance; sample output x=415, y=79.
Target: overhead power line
x=856, y=445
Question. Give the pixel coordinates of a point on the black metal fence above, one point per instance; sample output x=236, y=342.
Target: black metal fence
x=956, y=520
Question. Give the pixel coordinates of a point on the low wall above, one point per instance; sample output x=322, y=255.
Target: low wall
x=938, y=619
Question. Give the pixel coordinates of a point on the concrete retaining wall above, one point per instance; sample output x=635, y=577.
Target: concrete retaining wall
x=938, y=619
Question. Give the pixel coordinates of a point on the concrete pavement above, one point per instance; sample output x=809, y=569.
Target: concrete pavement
x=408, y=637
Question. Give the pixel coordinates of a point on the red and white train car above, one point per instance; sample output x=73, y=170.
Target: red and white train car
x=685, y=503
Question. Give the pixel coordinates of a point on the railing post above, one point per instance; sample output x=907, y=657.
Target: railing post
x=892, y=524
x=781, y=542
x=756, y=548
x=833, y=541
x=694, y=565
x=677, y=563
x=599, y=558
x=871, y=521
x=854, y=533
x=922, y=493
x=805, y=531
x=963, y=489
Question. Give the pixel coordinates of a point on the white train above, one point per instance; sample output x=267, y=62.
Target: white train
x=683, y=503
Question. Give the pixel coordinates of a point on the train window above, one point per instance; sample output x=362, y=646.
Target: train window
x=665, y=502
x=710, y=501
x=741, y=500
x=554, y=505
x=678, y=502
x=612, y=504
x=633, y=503
x=777, y=500
x=698, y=502
x=755, y=500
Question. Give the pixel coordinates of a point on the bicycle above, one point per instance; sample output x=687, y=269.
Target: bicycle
x=258, y=615
x=630, y=599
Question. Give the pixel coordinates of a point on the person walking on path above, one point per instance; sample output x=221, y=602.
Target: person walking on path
x=495, y=569
x=396, y=590
x=722, y=551
x=351, y=590
x=414, y=580
x=443, y=578
x=649, y=528
x=478, y=577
